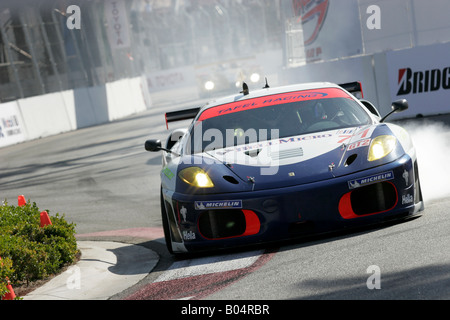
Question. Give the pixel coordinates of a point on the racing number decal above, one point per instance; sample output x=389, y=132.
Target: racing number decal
x=358, y=139
x=359, y=144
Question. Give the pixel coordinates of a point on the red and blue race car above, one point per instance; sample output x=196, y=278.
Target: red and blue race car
x=281, y=163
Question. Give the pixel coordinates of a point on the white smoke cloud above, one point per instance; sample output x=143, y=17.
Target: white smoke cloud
x=432, y=142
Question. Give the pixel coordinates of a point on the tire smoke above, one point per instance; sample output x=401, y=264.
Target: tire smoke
x=432, y=142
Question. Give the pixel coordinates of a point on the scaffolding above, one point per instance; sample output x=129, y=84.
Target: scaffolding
x=39, y=54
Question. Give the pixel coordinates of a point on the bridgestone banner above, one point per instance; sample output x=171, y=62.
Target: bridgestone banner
x=421, y=75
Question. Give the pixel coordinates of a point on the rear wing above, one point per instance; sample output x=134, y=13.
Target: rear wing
x=354, y=88
x=181, y=115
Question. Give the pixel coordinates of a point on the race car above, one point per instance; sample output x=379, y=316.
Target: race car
x=281, y=163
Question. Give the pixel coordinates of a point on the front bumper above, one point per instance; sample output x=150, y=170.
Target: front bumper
x=383, y=193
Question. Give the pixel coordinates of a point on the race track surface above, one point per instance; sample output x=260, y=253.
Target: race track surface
x=102, y=179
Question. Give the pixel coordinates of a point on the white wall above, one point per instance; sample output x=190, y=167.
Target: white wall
x=379, y=74
x=420, y=75
x=12, y=129
x=54, y=113
x=405, y=24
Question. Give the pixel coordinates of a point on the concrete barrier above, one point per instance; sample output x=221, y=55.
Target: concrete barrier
x=54, y=113
x=44, y=115
x=423, y=70
x=12, y=128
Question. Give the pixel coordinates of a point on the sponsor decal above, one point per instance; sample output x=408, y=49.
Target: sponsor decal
x=10, y=127
x=117, y=19
x=259, y=145
x=413, y=82
x=406, y=177
x=273, y=100
x=221, y=204
x=359, y=144
x=188, y=235
x=353, y=184
x=355, y=134
x=183, y=212
x=407, y=199
x=169, y=174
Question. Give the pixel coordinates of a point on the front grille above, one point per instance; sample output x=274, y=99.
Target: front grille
x=216, y=224
x=301, y=228
x=375, y=198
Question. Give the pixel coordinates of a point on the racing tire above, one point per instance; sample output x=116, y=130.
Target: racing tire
x=165, y=223
x=418, y=194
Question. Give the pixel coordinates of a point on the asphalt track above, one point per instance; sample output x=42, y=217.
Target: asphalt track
x=103, y=180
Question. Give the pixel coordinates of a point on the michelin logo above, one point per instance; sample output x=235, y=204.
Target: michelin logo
x=225, y=204
x=353, y=184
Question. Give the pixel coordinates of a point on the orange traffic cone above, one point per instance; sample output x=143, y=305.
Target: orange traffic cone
x=45, y=219
x=10, y=295
x=21, y=201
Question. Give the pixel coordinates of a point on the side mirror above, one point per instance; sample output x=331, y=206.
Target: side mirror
x=400, y=105
x=153, y=145
x=397, y=106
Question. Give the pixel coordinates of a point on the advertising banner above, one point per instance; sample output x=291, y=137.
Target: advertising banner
x=331, y=29
x=421, y=75
x=11, y=128
x=118, y=28
x=171, y=79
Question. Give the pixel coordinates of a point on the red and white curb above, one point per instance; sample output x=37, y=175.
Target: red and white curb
x=197, y=278
x=144, y=233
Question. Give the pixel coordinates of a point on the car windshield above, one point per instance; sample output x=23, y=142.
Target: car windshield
x=247, y=123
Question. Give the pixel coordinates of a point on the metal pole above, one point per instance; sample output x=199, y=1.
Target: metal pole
x=56, y=24
x=79, y=57
x=49, y=51
x=10, y=59
x=33, y=53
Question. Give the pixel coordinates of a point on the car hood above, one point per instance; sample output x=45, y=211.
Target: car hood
x=299, y=159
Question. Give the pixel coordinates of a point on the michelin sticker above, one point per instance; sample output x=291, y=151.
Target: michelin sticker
x=223, y=204
x=353, y=184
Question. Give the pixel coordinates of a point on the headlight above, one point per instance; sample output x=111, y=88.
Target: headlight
x=255, y=77
x=209, y=85
x=196, y=177
x=381, y=146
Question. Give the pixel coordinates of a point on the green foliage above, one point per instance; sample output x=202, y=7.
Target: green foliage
x=30, y=252
x=6, y=272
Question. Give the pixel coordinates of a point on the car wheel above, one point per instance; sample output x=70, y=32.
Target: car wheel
x=418, y=191
x=165, y=223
